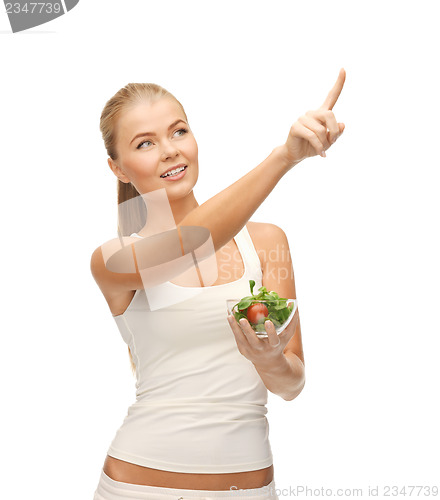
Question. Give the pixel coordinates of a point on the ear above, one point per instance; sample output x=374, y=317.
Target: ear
x=117, y=171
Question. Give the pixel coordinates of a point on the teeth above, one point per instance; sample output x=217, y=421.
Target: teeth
x=173, y=172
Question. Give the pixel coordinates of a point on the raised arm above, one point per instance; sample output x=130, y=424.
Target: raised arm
x=224, y=215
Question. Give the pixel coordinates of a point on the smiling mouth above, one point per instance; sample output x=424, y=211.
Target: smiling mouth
x=179, y=171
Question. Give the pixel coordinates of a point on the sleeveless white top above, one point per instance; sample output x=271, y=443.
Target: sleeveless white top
x=200, y=404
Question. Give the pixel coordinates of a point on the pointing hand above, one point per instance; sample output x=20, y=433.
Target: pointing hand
x=308, y=136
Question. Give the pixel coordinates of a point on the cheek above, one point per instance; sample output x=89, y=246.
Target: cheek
x=143, y=164
x=194, y=150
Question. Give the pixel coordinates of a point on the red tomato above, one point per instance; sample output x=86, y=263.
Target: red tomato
x=256, y=312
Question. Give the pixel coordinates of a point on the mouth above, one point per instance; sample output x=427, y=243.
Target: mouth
x=174, y=171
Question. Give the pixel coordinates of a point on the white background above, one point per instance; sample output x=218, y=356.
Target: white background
x=362, y=225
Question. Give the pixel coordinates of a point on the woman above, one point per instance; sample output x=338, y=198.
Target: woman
x=198, y=427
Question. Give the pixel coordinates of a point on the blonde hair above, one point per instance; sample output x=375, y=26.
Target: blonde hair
x=131, y=216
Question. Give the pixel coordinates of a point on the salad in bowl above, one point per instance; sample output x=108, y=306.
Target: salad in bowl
x=262, y=306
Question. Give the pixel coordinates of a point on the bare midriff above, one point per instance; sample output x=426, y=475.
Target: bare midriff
x=126, y=472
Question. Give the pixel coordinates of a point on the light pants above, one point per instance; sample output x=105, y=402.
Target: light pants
x=109, y=489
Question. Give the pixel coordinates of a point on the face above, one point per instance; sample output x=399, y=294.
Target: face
x=150, y=139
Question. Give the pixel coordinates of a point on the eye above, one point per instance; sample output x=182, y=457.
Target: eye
x=183, y=130
x=143, y=142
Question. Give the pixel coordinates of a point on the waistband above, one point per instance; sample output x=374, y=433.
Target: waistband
x=109, y=489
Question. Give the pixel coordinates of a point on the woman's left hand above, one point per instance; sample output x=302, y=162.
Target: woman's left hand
x=264, y=353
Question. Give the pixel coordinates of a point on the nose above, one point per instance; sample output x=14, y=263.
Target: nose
x=169, y=150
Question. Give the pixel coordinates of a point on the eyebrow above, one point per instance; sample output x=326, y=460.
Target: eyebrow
x=142, y=134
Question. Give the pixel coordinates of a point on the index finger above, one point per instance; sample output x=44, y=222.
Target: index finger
x=334, y=93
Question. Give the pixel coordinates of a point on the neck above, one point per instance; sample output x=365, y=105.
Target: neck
x=181, y=207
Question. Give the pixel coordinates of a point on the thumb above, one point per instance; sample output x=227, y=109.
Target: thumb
x=341, y=127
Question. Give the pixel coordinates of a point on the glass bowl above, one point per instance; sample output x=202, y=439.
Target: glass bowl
x=258, y=327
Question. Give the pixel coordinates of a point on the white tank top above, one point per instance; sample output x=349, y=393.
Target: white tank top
x=200, y=404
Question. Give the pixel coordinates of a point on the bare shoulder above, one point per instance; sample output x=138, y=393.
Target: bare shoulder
x=265, y=237
x=108, y=248
x=113, y=282
x=264, y=229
